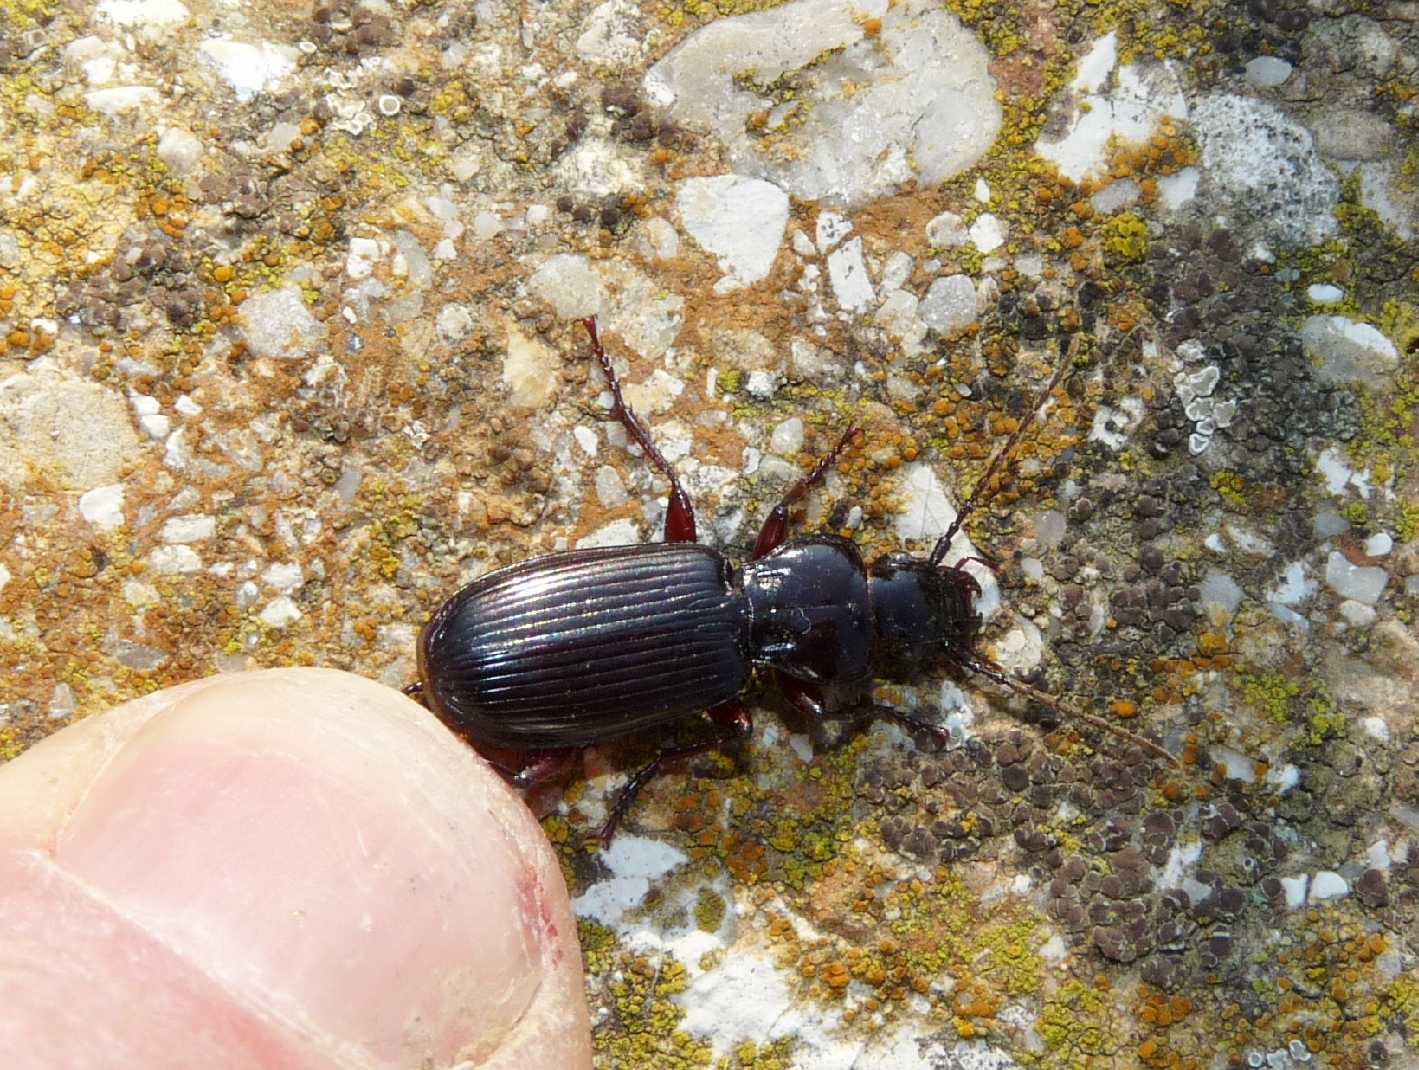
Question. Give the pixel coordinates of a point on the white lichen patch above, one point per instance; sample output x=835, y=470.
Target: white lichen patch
x=1127, y=111
x=634, y=862
x=248, y=68
x=1258, y=162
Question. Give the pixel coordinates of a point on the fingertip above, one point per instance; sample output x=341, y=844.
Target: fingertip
x=338, y=861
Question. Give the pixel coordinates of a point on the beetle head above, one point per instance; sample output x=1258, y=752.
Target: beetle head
x=923, y=612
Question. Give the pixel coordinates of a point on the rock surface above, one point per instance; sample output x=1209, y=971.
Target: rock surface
x=911, y=102
x=289, y=352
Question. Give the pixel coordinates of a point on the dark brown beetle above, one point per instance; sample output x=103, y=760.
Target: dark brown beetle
x=570, y=649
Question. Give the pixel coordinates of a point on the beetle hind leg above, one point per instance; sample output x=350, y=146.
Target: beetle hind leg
x=732, y=723
x=539, y=767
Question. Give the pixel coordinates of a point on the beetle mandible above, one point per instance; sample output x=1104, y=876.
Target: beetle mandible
x=548, y=656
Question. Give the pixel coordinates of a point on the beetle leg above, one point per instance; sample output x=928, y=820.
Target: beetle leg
x=979, y=559
x=528, y=769
x=808, y=699
x=983, y=489
x=804, y=697
x=680, y=514
x=415, y=691
x=997, y=673
x=732, y=722
x=541, y=766
x=775, y=528
x=917, y=727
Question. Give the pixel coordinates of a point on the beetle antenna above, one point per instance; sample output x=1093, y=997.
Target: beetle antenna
x=999, y=675
x=982, y=488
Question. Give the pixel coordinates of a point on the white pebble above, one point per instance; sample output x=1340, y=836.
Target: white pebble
x=487, y=225
x=586, y=439
x=1360, y=616
x=283, y=576
x=138, y=594
x=1268, y=71
x=787, y=437
x=279, y=612
x=175, y=560
x=848, y=273
x=949, y=304
x=247, y=595
x=1376, y=728
x=1050, y=527
x=1363, y=584
x=1379, y=544
x=946, y=230
x=610, y=490
x=762, y=384
x=623, y=532
x=1328, y=884
x=155, y=426
x=987, y=233
x=103, y=506
x=191, y=528
x=1221, y=590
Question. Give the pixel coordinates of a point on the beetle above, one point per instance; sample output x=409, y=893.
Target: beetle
x=543, y=658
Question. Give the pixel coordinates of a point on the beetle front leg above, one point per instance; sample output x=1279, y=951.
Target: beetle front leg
x=679, y=513
x=917, y=727
x=732, y=722
x=808, y=699
x=804, y=697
